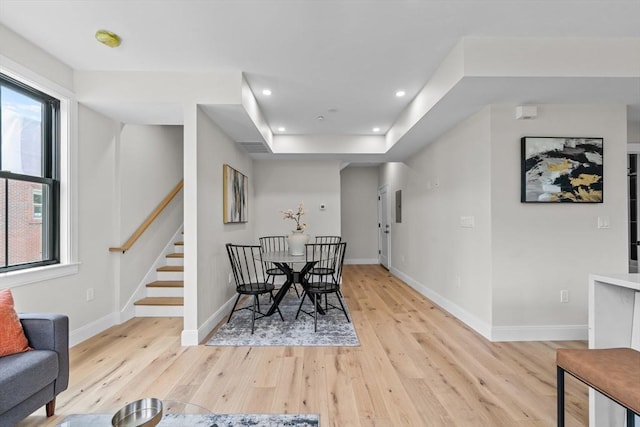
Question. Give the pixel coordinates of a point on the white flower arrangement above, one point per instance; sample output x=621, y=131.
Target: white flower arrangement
x=296, y=216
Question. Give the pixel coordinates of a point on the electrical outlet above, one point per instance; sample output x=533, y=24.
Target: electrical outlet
x=458, y=282
x=90, y=295
x=230, y=278
x=564, y=295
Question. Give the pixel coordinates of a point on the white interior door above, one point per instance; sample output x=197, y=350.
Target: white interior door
x=383, y=227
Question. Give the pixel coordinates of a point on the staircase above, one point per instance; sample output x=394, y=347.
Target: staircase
x=165, y=295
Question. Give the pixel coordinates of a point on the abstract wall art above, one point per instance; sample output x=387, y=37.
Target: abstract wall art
x=235, y=195
x=556, y=170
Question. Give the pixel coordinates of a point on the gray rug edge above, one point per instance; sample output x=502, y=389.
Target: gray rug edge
x=282, y=419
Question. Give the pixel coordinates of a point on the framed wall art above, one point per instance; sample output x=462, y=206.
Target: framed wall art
x=235, y=195
x=557, y=170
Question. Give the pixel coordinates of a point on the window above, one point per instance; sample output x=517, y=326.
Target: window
x=29, y=181
x=37, y=204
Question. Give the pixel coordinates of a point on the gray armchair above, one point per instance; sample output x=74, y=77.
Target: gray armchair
x=32, y=379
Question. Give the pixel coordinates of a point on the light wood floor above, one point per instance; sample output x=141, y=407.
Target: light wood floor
x=416, y=366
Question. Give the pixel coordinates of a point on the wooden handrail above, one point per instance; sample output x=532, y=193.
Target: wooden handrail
x=147, y=222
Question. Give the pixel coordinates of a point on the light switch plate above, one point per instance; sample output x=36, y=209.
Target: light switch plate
x=604, y=222
x=467, y=221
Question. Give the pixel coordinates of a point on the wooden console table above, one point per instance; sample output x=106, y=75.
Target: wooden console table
x=614, y=321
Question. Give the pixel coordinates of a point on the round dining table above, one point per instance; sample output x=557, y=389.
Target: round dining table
x=285, y=262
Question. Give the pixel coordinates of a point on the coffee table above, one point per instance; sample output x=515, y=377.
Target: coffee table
x=174, y=413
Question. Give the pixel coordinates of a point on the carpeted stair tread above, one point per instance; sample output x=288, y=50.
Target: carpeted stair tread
x=171, y=268
x=160, y=301
x=166, y=284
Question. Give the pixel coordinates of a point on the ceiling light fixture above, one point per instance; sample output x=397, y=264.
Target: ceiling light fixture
x=400, y=93
x=108, y=38
x=281, y=129
x=266, y=92
x=376, y=129
x=320, y=118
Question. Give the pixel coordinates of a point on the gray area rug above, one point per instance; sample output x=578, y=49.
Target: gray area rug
x=202, y=420
x=333, y=328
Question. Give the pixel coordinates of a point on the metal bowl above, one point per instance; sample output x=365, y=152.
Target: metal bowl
x=144, y=412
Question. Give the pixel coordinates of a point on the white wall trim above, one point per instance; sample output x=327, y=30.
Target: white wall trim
x=12, y=279
x=195, y=337
x=540, y=333
x=499, y=333
x=128, y=311
x=362, y=261
x=471, y=320
x=91, y=329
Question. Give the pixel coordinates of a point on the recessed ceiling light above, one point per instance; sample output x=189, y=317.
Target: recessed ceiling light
x=320, y=118
x=376, y=129
x=266, y=92
x=400, y=93
x=108, y=38
x=281, y=129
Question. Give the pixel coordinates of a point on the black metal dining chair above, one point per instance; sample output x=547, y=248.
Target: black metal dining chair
x=249, y=275
x=328, y=239
x=275, y=244
x=318, y=285
x=326, y=266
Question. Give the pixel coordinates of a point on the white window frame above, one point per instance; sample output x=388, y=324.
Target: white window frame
x=68, y=193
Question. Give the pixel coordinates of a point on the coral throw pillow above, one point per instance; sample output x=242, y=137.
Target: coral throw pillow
x=12, y=338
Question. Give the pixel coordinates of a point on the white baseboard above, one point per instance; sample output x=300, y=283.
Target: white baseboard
x=540, y=333
x=189, y=337
x=362, y=261
x=194, y=337
x=498, y=333
x=94, y=328
x=471, y=320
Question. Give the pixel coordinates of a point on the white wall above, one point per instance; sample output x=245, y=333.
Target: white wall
x=279, y=185
x=540, y=249
x=503, y=276
x=429, y=249
x=359, y=213
x=16, y=49
x=102, y=158
x=97, y=138
x=207, y=286
x=149, y=166
x=633, y=132
x=93, y=141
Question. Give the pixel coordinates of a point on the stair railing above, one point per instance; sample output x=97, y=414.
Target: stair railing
x=147, y=222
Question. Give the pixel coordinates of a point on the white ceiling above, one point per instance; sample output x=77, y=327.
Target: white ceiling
x=316, y=55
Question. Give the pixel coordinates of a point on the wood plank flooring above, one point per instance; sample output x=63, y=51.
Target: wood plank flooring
x=416, y=366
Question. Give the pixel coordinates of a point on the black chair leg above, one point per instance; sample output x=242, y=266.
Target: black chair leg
x=304, y=295
x=343, y=309
x=315, y=313
x=631, y=418
x=253, y=313
x=234, y=307
x=277, y=308
x=560, y=393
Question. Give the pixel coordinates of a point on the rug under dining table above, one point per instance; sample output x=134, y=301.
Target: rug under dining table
x=333, y=328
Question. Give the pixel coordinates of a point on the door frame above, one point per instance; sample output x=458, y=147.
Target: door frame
x=383, y=189
x=633, y=148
